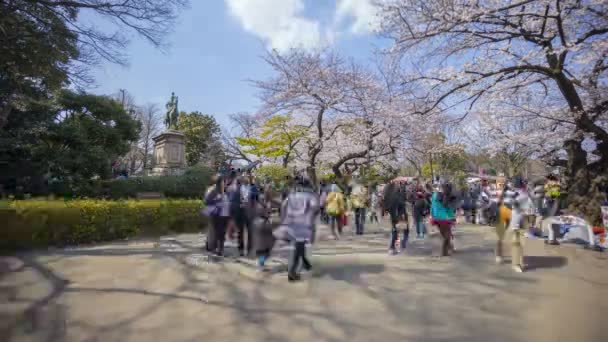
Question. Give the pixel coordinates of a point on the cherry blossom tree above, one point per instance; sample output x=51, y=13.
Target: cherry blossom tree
x=372, y=122
x=243, y=125
x=541, y=61
x=351, y=115
x=312, y=86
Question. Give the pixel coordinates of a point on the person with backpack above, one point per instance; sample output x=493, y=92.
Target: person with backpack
x=217, y=209
x=299, y=214
x=335, y=208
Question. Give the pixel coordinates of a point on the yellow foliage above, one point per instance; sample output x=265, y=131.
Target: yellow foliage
x=33, y=223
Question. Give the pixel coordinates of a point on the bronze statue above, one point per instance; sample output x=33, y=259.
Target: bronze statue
x=172, y=113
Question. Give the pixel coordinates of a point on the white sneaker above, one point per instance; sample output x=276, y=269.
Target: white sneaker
x=518, y=269
x=499, y=260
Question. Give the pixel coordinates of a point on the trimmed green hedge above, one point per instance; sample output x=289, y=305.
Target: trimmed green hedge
x=40, y=223
x=193, y=184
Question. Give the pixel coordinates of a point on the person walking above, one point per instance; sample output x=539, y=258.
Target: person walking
x=514, y=216
x=300, y=211
x=374, y=206
x=323, y=202
x=238, y=193
x=264, y=239
x=475, y=193
x=443, y=214
x=217, y=208
x=467, y=204
x=421, y=210
x=488, y=203
x=552, y=205
x=359, y=202
x=335, y=208
x=395, y=202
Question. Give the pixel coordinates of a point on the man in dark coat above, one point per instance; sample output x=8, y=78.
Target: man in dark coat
x=395, y=202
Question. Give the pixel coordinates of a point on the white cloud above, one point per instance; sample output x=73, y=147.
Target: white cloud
x=279, y=23
x=362, y=12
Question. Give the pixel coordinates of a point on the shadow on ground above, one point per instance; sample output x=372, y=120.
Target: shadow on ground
x=540, y=262
x=462, y=298
x=348, y=272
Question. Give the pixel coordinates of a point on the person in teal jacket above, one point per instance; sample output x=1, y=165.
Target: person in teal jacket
x=443, y=214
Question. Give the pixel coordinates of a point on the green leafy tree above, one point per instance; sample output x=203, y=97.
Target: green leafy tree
x=44, y=43
x=278, y=139
x=73, y=139
x=92, y=131
x=272, y=173
x=375, y=173
x=203, y=135
x=34, y=55
x=449, y=160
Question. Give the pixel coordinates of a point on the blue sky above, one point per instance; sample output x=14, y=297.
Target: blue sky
x=217, y=44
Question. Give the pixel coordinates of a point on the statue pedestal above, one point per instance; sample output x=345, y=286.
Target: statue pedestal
x=169, y=154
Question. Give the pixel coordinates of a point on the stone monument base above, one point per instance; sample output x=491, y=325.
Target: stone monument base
x=160, y=171
x=169, y=154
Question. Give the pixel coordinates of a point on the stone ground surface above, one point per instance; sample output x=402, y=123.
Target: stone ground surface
x=168, y=291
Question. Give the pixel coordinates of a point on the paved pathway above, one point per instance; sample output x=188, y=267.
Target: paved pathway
x=167, y=291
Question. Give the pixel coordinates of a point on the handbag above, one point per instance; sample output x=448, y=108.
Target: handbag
x=211, y=210
x=281, y=233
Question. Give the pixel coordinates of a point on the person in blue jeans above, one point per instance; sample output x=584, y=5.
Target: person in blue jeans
x=421, y=210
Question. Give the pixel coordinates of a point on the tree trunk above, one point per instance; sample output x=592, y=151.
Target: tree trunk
x=146, y=147
x=312, y=175
x=584, y=184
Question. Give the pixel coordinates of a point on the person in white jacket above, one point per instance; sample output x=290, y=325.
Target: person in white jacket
x=517, y=199
x=299, y=213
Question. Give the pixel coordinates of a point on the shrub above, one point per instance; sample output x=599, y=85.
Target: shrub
x=38, y=223
x=193, y=184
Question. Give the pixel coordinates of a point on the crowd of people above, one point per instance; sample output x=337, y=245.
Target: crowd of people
x=236, y=200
